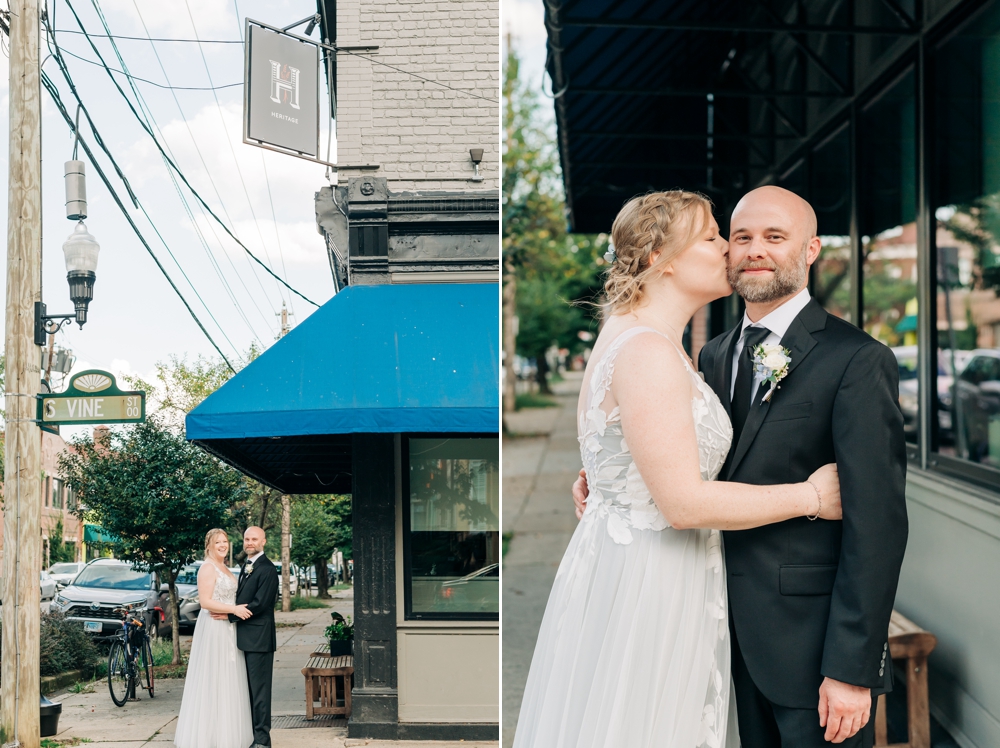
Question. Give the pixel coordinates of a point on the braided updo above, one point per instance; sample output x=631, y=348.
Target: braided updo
x=668, y=221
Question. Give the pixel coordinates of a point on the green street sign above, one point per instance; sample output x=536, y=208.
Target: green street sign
x=92, y=397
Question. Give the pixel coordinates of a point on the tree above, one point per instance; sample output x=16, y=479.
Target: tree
x=156, y=495
x=546, y=270
x=320, y=525
x=60, y=552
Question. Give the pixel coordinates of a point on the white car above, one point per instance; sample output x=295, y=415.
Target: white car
x=65, y=572
x=48, y=585
x=293, y=581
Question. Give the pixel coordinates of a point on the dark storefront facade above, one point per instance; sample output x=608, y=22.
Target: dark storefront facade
x=885, y=115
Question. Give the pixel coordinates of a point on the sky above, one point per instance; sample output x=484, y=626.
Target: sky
x=266, y=198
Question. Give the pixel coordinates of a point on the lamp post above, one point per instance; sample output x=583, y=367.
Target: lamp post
x=80, y=250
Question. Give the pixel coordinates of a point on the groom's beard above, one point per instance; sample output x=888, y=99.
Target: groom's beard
x=784, y=281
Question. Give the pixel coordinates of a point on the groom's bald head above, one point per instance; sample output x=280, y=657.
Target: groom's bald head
x=772, y=243
x=784, y=205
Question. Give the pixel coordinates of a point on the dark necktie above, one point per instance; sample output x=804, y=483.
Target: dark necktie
x=752, y=337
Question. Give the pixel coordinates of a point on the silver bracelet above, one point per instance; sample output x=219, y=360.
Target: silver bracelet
x=819, y=498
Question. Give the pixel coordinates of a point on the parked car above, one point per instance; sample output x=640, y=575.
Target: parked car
x=49, y=585
x=906, y=360
x=187, y=597
x=103, y=585
x=979, y=407
x=64, y=572
x=293, y=573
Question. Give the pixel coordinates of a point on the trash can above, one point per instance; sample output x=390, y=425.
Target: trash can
x=50, y=718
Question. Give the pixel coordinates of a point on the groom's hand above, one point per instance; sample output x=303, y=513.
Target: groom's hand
x=843, y=709
x=220, y=616
x=580, y=493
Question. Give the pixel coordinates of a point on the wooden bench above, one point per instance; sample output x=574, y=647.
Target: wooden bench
x=329, y=681
x=323, y=650
x=909, y=642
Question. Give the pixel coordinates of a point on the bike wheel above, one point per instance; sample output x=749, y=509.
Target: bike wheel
x=118, y=673
x=146, y=667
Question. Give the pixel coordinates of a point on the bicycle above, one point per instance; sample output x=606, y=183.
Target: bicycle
x=130, y=660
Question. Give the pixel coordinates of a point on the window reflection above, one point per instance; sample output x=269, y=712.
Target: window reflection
x=966, y=194
x=887, y=216
x=454, y=539
x=830, y=196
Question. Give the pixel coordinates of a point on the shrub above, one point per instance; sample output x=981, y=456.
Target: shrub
x=65, y=646
x=340, y=630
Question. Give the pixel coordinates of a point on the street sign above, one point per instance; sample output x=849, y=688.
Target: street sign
x=92, y=397
x=281, y=92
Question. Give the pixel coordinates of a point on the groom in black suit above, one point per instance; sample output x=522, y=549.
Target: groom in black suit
x=258, y=589
x=809, y=601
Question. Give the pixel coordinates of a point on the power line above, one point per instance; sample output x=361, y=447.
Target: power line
x=229, y=142
x=211, y=181
x=144, y=38
x=173, y=179
x=173, y=165
x=146, y=80
x=54, y=93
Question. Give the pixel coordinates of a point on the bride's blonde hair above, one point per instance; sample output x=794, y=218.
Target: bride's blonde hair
x=666, y=221
x=210, y=538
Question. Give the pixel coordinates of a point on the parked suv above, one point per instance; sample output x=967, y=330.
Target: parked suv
x=103, y=585
x=187, y=598
x=64, y=572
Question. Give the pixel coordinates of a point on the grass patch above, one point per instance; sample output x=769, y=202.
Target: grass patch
x=163, y=652
x=304, y=603
x=505, y=543
x=339, y=587
x=532, y=400
x=64, y=743
x=286, y=625
x=170, y=671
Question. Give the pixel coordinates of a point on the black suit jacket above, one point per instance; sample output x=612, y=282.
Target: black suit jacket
x=813, y=599
x=258, y=591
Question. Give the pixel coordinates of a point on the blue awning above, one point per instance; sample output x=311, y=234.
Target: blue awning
x=374, y=359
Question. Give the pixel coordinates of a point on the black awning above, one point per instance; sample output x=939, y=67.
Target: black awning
x=710, y=96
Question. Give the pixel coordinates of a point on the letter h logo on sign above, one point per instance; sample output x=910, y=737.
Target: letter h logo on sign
x=284, y=84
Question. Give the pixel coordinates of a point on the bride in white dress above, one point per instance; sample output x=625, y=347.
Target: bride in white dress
x=633, y=650
x=215, y=708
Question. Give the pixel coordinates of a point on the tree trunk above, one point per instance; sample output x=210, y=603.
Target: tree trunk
x=542, y=374
x=286, y=554
x=322, y=580
x=175, y=616
x=509, y=337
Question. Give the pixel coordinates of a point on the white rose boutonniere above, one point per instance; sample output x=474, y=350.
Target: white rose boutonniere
x=248, y=569
x=771, y=361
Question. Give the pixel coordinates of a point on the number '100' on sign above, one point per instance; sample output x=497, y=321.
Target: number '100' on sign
x=92, y=397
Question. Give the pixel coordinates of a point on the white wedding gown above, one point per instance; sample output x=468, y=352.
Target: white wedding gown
x=633, y=650
x=215, y=708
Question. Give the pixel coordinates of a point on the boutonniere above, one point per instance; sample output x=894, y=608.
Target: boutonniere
x=771, y=361
x=248, y=569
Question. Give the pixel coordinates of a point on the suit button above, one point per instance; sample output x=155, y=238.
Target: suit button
x=881, y=671
x=885, y=647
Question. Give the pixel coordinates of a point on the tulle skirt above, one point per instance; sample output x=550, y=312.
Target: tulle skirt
x=215, y=708
x=633, y=650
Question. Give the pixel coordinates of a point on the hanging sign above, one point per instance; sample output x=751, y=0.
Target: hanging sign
x=92, y=397
x=281, y=91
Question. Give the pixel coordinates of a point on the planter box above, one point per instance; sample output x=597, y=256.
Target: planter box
x=341, y=647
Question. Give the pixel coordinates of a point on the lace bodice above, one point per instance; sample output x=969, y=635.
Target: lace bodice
x=616, y=488
x=225, y=587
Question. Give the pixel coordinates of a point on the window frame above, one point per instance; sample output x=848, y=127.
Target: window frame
x=408, y=613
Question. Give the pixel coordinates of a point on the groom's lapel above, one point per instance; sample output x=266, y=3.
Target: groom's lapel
x=799, y=343
x=722, y=374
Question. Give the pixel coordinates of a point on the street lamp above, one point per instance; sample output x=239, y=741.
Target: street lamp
x=80, y=250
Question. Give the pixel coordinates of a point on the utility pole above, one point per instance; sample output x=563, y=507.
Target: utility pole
x=19, y=672
x=509, y=294
x=285, y=327
x=286, y=553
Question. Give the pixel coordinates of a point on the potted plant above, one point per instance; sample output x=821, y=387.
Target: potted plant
x=341, y=635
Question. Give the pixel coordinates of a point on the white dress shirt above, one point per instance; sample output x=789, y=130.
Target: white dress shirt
x=255, y=556
x=778, y=323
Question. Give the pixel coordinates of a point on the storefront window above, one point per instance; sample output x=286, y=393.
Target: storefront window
x=966, y=198
x=887, y=220
x=452, y=528
x=830, y=196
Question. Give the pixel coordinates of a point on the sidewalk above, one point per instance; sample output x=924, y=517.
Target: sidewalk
x=151, y=722
x=538, y=473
